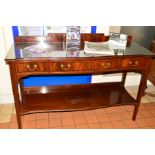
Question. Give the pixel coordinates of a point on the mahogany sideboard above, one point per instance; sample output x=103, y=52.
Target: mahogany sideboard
x=50, y=58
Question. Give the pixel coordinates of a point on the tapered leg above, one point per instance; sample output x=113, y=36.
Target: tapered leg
x=124, y=74
x=14, y=81
x=140, y=94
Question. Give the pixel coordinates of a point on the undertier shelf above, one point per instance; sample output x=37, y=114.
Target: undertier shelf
x=78, y=97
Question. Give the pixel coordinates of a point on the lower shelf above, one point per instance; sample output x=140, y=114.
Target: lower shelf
x=71, y=98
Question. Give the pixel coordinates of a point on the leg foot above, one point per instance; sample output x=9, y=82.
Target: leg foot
x=135, y=112
x=19, y=122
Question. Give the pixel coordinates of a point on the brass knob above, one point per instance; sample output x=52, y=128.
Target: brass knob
x=133, y=64
x=31, y=67
x=68, y=65
x=102, y=64
x=136, y=62
x=106, y=65
x=65, y=68
x=62, y=66
x=130, y=62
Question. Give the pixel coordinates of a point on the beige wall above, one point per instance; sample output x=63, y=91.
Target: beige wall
x=6, y=40
x=115, y=29
x=103, y=29
x=107, y=29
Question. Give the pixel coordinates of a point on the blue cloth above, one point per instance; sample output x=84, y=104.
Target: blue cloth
x=93, y=29
x=56, y=80
x=15, y=31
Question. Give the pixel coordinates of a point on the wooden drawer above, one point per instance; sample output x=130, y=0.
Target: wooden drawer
x=30, y=67
x=133, y=62
x=104, y=64
x=62, y=66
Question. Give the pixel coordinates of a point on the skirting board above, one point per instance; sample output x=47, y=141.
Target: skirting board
x=132, y=80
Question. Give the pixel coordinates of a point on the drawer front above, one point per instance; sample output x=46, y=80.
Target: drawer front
x=62, y=66
x=31, y=67
x=104, y=64
x=133, y=62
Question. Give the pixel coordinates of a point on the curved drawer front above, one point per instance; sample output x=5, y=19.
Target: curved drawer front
x=30, y=67
x=68, y=66
x=104, y=64
x=133, y=62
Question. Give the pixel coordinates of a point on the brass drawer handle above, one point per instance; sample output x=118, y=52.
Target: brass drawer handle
x=133, y=64
x=31, y=67
x=62, y=66
x=106, y=65
x=68, y=65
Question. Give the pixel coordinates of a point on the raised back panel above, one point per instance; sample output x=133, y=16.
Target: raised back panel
x=58, y=37
x=93, y=38
x=99, y=37
x=61, y=37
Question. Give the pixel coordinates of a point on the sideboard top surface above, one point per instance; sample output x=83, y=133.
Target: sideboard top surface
x=58, y=50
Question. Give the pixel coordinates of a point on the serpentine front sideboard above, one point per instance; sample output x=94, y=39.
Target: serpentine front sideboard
x=29, y=59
